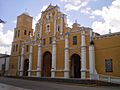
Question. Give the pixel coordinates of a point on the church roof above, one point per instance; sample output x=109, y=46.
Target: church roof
x=4, y=55
x=108, y=35
x=50, y=7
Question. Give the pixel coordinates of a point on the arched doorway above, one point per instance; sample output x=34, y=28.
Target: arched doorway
x=47, y=61
x=75, y=66
x=26, y=66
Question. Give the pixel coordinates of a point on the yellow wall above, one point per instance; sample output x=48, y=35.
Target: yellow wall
x=105, y=48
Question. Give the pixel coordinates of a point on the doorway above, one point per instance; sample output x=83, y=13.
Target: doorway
x=47, y=62
x=26, y=66
x=75, y=66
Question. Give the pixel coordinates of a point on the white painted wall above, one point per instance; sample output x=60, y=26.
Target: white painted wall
x=2, y=61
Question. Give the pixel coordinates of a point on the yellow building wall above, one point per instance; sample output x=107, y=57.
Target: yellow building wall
x=60, y=58
x=106, y=48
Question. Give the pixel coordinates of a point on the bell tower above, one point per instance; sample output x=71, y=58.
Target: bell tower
x=21, y=34
x=23, y=27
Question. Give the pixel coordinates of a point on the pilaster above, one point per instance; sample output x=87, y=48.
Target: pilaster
x=22, y=61
x=92, y=61
x=39, y=62
x=83, y=56
x=30, y=61
x=53, y=58
x=66, y=62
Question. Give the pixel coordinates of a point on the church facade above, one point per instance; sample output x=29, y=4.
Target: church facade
x=56, y=50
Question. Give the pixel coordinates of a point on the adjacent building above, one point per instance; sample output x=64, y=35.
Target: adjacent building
x=4, y=64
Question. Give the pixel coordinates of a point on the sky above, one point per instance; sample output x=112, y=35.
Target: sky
x=100, y=15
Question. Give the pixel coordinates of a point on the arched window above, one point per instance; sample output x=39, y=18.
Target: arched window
x=50, y=40
x=44, y=41
x=58, y=28
x=29, y=33
x=25, y=32
x=13, y=48
x=74, y=40
x=49, y=16
x=16, y=47
x=15, y=34
x=48, y=28
x=18, y=33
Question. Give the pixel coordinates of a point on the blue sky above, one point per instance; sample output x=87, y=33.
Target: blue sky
x=101, y=15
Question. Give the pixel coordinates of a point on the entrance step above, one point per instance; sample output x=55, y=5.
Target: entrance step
x=79, y=81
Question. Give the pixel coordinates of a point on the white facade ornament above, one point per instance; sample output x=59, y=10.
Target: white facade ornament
x=53, y=69
x=66, y=62
x=40, y=30
x=53, y=58
x=61, y=24
x=92, y=57
x=83, y=56
x=39, y=62
x=22, y=61
x=18, y=64
x=92, y=62
x=30, y=61
x=55, y=26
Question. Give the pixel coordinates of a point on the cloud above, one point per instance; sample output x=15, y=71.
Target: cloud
x=70, y=23
x=5, y=40
x=103, y=19
x=1, y=27
x=75, y=4
x=86, y=10
x=70, y=7
x=78, y=2
x=110, y=18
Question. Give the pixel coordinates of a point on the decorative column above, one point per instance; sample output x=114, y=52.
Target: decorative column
x=30, y=61
x=35, y=36
x=53, y=58
x=61, y=24
x=54, y=51
x=92, y=61
x=55, y=26
x=39, y=62
x=18, y=65
x=22, y=61
x=65, y=19
x=66, y=62
x=91, y=57
x=83, y=56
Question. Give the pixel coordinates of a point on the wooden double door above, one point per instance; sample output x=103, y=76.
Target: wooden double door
x=75, y=66
x=47, y=63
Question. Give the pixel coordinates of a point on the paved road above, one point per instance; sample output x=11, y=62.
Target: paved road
x=40, y=85
x=10, y=87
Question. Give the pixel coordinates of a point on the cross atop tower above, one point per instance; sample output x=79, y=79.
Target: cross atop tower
x=25, y=12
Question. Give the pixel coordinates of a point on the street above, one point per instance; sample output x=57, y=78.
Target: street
x=20, y=84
